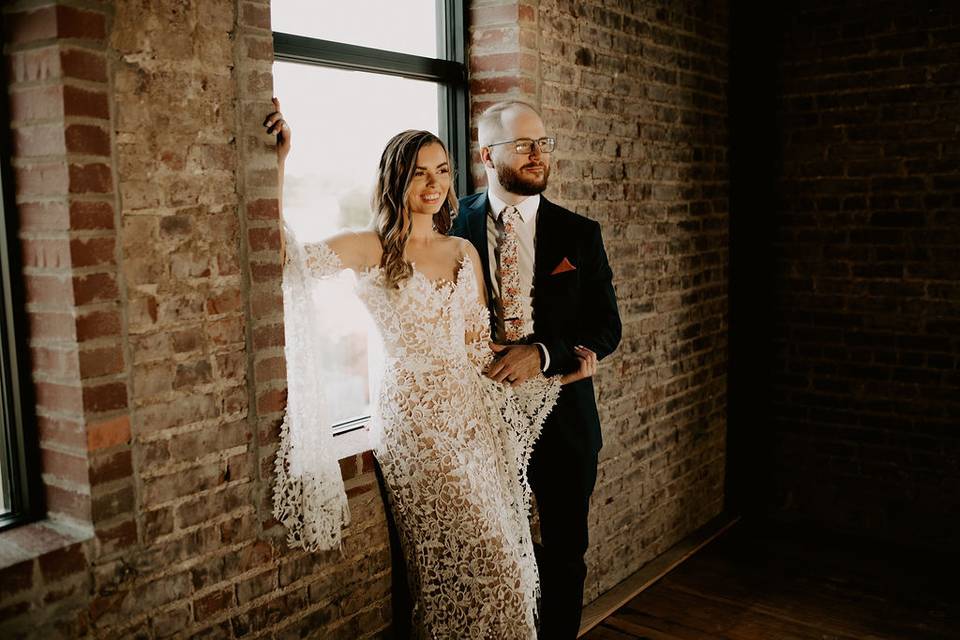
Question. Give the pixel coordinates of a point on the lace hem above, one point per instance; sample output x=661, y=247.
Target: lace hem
x=523, y=410
x=311, y=505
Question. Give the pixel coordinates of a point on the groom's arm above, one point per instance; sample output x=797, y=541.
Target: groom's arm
x=598, y=319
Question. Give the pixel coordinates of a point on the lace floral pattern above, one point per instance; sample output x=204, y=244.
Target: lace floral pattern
x=454, y=448
x=308, y=496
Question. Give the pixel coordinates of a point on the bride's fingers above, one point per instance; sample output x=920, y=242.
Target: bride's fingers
x=584, y=352
x=588, y=360
x=274, y=122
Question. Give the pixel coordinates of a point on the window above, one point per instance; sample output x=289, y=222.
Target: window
x=19, y=458
x=349, y=76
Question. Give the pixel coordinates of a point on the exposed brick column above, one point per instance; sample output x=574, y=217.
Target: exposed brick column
x=503, y=60
x=365, y=546
x=257, y=185
x=65, y=195
x=148, y=191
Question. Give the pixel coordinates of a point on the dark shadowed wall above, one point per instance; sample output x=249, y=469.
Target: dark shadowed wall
x=865, y=371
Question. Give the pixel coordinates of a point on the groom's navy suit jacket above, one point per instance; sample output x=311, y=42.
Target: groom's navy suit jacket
x=576, y=307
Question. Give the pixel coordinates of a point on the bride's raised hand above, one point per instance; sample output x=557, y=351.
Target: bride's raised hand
x=587, y=368
x=275, y=124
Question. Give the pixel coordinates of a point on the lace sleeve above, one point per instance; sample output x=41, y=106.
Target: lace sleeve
x=521, y=412
x=320, y=260
x=476, y=324
x=314, y=259
x=308, y=493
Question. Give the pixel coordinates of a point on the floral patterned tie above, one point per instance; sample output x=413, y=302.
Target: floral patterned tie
x=509, y=276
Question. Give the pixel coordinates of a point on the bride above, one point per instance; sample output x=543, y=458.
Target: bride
x=455, y=444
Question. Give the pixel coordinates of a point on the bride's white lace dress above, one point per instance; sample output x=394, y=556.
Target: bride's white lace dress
x=454, y=449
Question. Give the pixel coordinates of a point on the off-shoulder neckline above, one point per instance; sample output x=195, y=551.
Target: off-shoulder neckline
x=436, y=284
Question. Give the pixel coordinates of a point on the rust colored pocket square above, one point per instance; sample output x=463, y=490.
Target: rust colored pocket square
x=563, y=267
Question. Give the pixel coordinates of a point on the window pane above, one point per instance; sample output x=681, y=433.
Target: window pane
x=341, y=121
x=409, y=26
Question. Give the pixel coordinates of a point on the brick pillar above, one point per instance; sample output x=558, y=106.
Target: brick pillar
x=149, y=201
x=257, y=185
x=64, y=177
x=503, y=61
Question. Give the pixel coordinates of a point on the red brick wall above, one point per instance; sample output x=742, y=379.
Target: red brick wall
x=867, y=390
x=146, y=192
x=637, y=99
x=66, y=199
x=147, y=196
x=60, y=116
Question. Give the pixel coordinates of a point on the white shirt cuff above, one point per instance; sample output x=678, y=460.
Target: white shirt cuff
x=546, y=355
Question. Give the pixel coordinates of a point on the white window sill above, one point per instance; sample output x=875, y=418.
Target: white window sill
x=352, y=443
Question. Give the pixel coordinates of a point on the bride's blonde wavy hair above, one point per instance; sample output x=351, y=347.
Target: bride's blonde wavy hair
x=391, y=214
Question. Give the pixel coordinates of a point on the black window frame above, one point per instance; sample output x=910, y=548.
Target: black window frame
x=22, y=485
x=449, y=72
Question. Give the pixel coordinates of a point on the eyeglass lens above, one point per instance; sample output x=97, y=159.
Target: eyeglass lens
x=545, y=145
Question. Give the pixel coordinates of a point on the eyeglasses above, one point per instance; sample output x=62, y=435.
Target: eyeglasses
x=524, y=146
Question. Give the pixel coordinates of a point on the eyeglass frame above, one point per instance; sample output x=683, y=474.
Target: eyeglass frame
x=536, y=142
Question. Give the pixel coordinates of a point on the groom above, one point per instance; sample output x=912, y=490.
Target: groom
x=550, y=290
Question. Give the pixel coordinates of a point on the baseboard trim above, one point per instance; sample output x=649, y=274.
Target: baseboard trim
x=595, y=612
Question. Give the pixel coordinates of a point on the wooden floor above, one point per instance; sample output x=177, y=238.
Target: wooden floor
x=778, y=583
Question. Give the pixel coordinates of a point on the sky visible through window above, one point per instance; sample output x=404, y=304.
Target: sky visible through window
x=407, y=26
x=341, y=121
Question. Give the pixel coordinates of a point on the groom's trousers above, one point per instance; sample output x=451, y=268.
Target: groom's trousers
x=562, y=476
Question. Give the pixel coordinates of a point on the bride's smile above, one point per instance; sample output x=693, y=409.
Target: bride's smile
x=430, y=183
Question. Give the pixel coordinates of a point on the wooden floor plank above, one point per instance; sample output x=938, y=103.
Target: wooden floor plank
x=868, y=596
x=610, y=601
x=604, y=632
x=840, y=617
x=785, y=583
x=728, y=619
x=643, y=625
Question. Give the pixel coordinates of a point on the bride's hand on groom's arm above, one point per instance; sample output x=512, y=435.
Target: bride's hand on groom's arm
x=587, y=360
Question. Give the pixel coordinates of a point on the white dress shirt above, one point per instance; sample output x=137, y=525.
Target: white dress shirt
x=526, y=232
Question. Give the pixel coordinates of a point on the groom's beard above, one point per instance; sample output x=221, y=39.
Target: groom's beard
x=513, y=181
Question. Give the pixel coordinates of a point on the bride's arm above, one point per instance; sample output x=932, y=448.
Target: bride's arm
x=276, y=125
x=477, y=336
x=352, y=250
x=471, y=251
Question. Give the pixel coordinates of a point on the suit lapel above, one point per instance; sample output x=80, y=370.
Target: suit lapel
x=477, y=234
x=553, y=242
x=477, y=224
x=548, y=245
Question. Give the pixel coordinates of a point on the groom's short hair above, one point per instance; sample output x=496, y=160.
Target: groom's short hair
x=490, y=123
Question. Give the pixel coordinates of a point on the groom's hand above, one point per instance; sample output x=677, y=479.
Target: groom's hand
x=515, y=363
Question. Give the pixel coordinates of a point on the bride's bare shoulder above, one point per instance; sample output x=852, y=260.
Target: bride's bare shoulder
x=358, y=250
x=466, y=248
